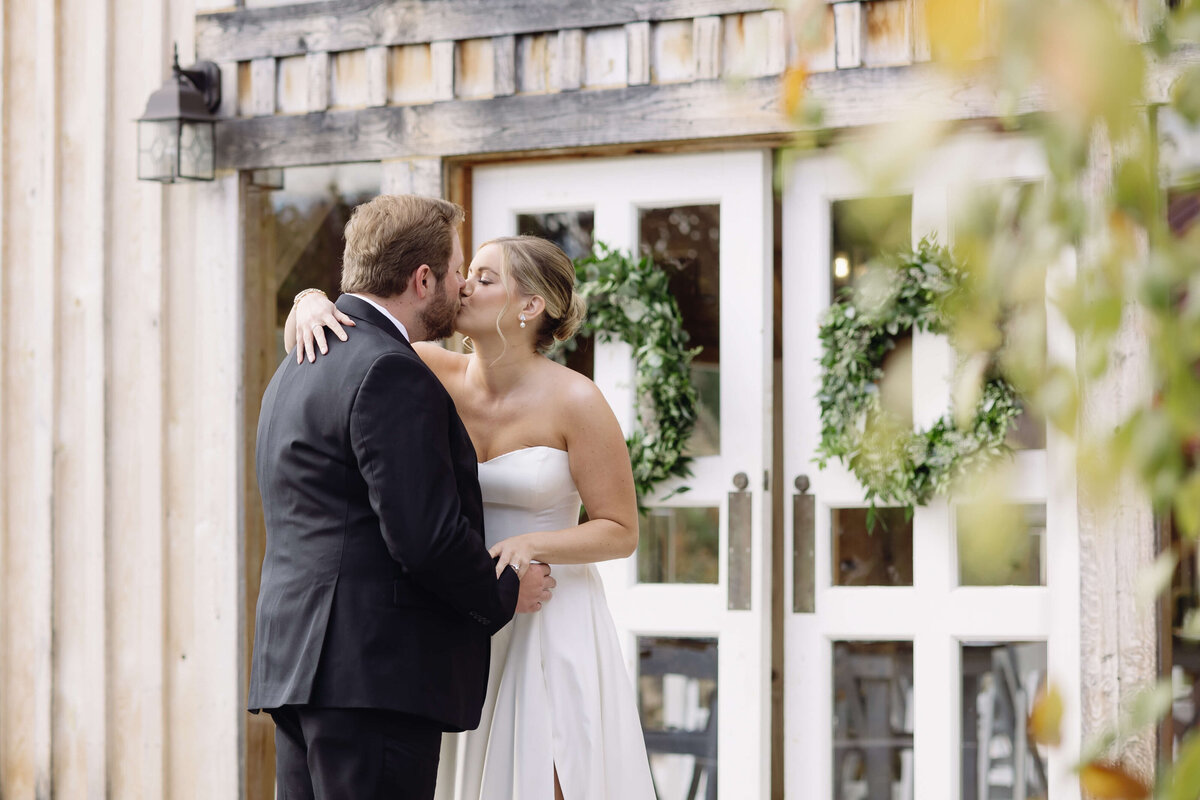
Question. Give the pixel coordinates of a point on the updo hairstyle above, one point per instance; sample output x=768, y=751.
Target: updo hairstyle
x=539, y=267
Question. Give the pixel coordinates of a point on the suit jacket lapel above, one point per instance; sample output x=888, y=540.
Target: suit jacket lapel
x=360, y=309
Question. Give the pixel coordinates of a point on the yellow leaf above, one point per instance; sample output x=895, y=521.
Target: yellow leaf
x=1045, y=721
x=1101, y=781
x=955, y=29
x=793, y=89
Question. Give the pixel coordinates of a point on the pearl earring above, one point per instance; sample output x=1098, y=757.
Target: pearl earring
x=522, y=318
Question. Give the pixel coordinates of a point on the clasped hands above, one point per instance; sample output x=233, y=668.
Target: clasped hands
x=536, y=581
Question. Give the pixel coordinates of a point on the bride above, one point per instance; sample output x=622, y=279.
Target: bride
x=560, y=718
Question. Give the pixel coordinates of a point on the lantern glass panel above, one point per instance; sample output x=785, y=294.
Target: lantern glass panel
x=158, y=150
x=196, y=151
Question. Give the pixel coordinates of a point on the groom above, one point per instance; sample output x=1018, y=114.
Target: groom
x=378, y=596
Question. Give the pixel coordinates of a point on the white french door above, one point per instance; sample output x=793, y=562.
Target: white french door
x=693, y=605
x=908, y=676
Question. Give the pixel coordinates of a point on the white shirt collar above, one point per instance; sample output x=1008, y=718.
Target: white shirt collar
x=386, y=313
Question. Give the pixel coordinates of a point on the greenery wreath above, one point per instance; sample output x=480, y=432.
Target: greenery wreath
x=629, y=300
x=895, y=464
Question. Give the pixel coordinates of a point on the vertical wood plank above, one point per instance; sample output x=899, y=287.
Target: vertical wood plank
x=775, y=32
x=606, y=61
x=412, y=74
x=568, y=67
x=504, y=66
x=291, y=79
x=348, y=79
x=1117, y=530
x=637, y=35
x=423, y=176
x=920, y=27
x=819, y=53
x=216, y=474
x=138, y=733
x=318, y=81
x=377, y=76
x=474, y=69
x=848, y=28
x=887, y=39
x=262, y=87
x=442, y=55
x=80, y=725
x=262, y=356
x=535, y=60
x=706, y=48
x=671, y=46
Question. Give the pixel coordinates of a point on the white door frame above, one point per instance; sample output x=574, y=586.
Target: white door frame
x=615, y=188
x=935, y=614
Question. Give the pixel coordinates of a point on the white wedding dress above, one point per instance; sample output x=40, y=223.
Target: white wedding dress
x=559, y=695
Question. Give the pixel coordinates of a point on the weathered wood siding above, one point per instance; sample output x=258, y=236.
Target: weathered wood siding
x=119, y=502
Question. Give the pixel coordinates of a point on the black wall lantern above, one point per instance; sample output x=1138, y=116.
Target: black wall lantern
x=177, y=131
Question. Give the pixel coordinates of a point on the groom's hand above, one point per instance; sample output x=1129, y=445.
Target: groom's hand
x=535, y=588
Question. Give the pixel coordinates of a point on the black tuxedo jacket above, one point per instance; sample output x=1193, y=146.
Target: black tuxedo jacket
x=377, y=590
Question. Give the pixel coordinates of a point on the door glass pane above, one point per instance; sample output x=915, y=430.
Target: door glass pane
x=685, y=241
x=999, y=684
x=863, y=228
x=573, y=231
x=677, y=700
x=1001, y=547
x=865, y=555
x=679, y=545
x=301, y=237
x=872, y=720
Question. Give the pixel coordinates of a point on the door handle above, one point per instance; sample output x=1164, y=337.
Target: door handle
x=740, y=511
x=804, y=536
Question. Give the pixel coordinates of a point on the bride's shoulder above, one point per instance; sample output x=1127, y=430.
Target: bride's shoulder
x=574, y=392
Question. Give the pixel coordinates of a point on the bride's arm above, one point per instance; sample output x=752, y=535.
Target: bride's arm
x=602, y=473
x=312, y=315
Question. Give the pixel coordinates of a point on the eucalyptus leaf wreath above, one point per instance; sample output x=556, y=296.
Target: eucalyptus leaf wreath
x=629, y=300
x=897, y=465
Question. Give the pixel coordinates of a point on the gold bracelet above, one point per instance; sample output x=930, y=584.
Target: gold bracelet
x=304, y=293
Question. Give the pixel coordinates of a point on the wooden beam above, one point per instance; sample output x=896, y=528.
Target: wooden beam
x=355, y=24
x=634, y=114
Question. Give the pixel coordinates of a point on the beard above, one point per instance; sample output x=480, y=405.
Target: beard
x=437, y=317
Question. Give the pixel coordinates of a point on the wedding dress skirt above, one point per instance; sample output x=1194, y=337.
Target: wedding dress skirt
x=559, y=695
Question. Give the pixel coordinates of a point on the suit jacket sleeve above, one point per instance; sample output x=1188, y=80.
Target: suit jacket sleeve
x=400, y=433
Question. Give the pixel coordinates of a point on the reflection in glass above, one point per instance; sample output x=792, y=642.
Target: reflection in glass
x=677, y=701
x=862, y=228
x=1029, y=430
x=872, y=556
x=572, y=231
x=872, y=720
x=679, y=545
x=999, y=684
x=1003, y=546
x=686, y=242
x=302, y=238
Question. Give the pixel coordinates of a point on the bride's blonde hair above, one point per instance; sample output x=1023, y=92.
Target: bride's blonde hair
x=536, y=266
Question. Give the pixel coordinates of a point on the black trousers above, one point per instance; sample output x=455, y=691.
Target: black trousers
x=354, y=754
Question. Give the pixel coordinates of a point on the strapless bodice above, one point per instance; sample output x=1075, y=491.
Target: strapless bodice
x=525, y=490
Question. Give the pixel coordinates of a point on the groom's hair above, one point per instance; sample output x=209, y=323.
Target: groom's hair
x=388, y=238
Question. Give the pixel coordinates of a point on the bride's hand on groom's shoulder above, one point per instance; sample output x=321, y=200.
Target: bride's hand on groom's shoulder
x=314, y=313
